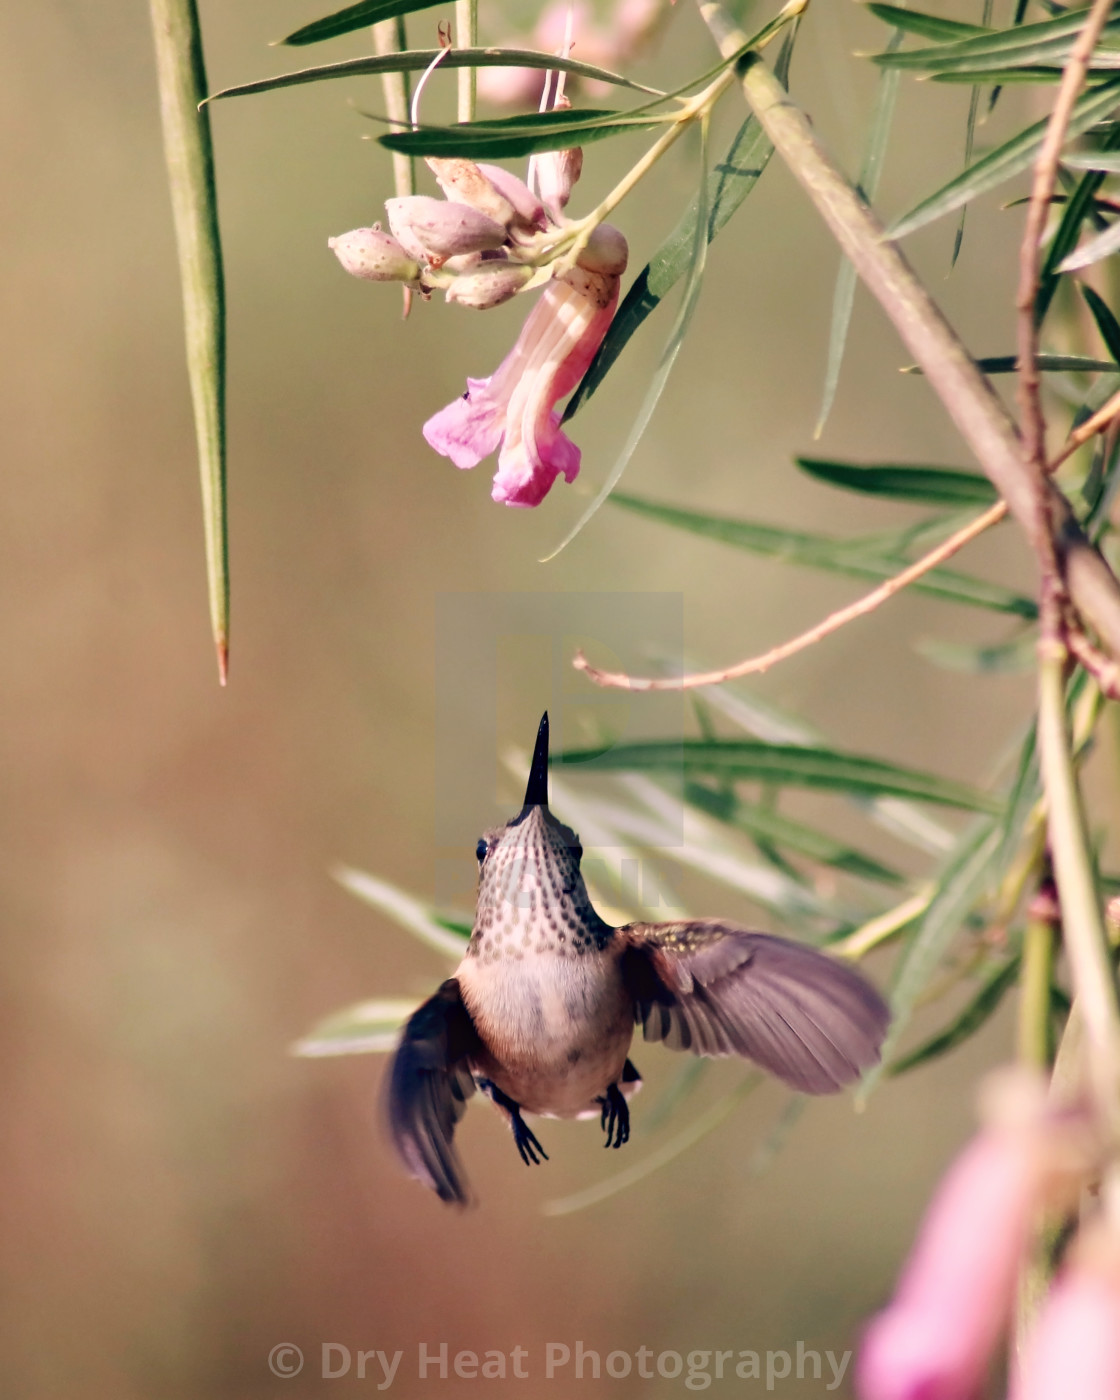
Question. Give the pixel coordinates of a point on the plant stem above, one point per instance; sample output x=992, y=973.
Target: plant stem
x=389, y=37
x=466, y=37
x=1034, y=1045
x=1083, y=927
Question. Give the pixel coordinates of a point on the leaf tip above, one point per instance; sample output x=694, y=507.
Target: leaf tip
x=221, y=644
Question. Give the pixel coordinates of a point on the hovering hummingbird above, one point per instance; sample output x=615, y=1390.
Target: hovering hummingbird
x=541, y=1011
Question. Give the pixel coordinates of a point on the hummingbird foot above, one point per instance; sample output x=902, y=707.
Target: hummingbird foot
x=615, y=1118
x=525, y=1140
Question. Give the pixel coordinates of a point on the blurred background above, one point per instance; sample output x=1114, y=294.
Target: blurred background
x=178, y=1194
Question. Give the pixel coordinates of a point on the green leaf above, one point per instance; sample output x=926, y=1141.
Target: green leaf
x=1080, y=206
x=1107, y=324
x=504, y=137
x=447, y=936
x=1107, y=161
x=854, y=558
x=417, y=60
x=689, y=300
x=964, y=880
x=935, y=486
x=969, y=144
x=370, y=1027
x=1009, y=364
x=354, y=17
x=928, y=26
x=1006, y=160
x=1046, y=43
x=190, y=171
x=784, y=765
x=844, y=293
x=967, y=1022
x=995, y=659
x=1102, y=246
x=765, y=824
x=728, y=186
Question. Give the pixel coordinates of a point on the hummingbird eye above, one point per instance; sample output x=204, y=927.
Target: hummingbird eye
x=482, y=849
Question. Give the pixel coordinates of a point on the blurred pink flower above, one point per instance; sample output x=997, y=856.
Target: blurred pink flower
x=1075, y=1349
x=935, y=1340
x=514, y=409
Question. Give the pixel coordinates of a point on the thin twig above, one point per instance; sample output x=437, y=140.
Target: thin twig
x=1103, y=669
x=1033, y=425
x=1098, y=663
x=868, y=603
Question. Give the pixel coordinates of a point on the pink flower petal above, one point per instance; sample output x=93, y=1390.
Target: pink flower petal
x=936, y=1339
x=1075, y=1350
x=514, y=408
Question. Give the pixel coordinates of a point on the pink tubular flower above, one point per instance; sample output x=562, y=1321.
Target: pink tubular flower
x=514, y=409
x=1075, y=1350
x=935, y=1340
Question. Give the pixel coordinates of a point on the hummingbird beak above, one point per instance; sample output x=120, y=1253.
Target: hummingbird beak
x=536, y=793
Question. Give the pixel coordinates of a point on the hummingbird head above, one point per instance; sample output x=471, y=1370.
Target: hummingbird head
x=530, y=890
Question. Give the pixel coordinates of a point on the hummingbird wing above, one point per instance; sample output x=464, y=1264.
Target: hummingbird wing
x=429, y=1084
x=716, y=989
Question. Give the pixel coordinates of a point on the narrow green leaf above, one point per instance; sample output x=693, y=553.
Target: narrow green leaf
x=370, y=1027
x=969, y=144
x=978, y=1010
x=189, y=156
x=689, y=299
x=995, y=659
x=935, y=486
x=765, y=824
x=927, y=26
x=1103, y=245
x=728, y=186
x=354, y=17
x=1009, y=364
x=1108, y=161
x=785, y=765
x=856, y=559
x=965, y=879
x=1107, y=323
x=677, y=1145
x=844, y=293
x=1006, y=160
x=447, y=936
x=1048, y=42
x=505, y=137
x=1080, y=206
x=417, y=60
x=999, y=76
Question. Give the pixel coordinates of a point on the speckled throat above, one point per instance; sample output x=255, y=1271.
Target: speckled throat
x=531, y=895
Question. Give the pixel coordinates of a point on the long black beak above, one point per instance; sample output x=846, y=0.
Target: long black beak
x=536, y=793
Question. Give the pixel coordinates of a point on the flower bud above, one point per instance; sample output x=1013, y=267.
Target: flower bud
x=495, y=192
x=526, y=206
x=432, y=230
x=490, y=284
x=557, y=172
x=373, y=255
x=606, y=251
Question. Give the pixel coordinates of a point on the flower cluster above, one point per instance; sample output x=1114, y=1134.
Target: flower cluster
x=486, y=241
x=937, y=1338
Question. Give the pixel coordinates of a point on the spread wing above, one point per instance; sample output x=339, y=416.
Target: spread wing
x=716, y=989
x=429, y=1084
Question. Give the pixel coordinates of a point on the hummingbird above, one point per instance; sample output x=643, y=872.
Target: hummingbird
x=541, y=1012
